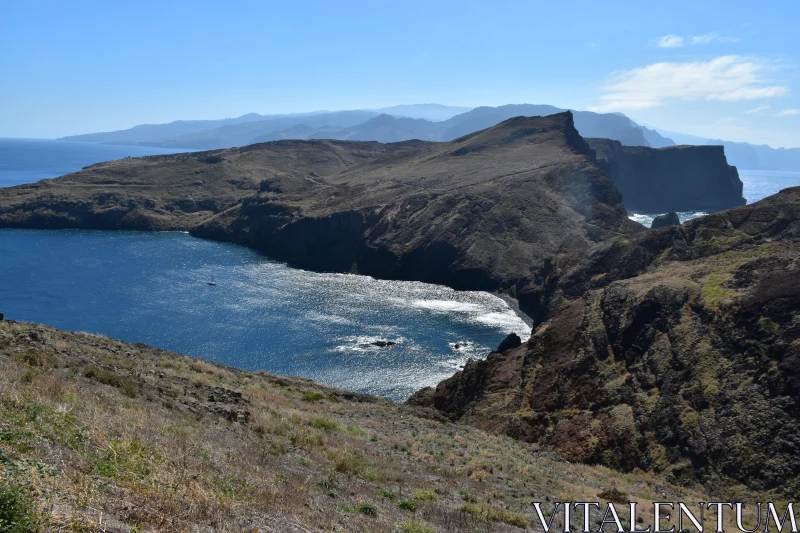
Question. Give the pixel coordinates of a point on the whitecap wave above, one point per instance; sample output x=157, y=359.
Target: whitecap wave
x=447, y=306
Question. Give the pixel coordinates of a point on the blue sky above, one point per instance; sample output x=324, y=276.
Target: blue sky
x=726, y=70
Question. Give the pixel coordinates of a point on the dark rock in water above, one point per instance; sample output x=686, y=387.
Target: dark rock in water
x=667, y=219
x=1, y=317
x=675, y=178
x=380, y=344
x=511, y=341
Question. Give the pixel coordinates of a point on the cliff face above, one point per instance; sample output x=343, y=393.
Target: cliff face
x=485, y=211
x=675, y=178
x=677, y=350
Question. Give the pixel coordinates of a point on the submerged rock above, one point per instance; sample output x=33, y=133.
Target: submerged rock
x=667, y=219
x=380, y=343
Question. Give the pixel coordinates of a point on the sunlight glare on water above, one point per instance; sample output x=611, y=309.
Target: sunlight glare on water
x=153, y=288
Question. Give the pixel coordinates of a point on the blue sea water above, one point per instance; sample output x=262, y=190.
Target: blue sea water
x=30, y=160
x=153, y=288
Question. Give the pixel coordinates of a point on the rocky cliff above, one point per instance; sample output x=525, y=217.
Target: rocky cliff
x=674, y=350
x=675, y=178
x=489, y=210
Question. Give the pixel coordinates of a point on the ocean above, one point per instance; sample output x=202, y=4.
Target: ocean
x=30, y=160
x=153, y=288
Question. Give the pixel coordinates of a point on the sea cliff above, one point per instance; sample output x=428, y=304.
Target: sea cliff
x=675, y=178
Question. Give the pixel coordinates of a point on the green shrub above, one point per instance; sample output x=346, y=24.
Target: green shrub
x=367, y=509
x=128, y=388
x=414, y=526
x=35, y=358
x=355, y=431
x=408, y=505
x=107, y=377
x=18, y=513
x=492, y=513
x=320, y=422
x=389, y=495
x=307, y=438
x=349, y=462
x=327, y=484
x=424, y=495
x=313, y=397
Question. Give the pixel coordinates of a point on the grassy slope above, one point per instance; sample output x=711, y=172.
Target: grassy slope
x=125, y=438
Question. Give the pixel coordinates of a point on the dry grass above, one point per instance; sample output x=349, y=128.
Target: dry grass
x=201, y=447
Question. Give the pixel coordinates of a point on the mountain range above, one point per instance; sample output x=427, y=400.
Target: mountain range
x=431, y=122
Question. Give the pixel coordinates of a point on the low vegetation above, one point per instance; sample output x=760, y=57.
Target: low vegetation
x=203, y=447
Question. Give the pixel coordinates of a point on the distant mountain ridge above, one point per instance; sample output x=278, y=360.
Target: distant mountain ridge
x=432, y=122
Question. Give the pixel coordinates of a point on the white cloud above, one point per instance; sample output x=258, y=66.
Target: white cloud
x=713, y=37
x=788, y=112
x=670, y=41
x=758, y=109
x=727, y=78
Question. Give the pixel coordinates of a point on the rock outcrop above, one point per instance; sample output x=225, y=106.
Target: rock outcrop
x=667, y=219
x=675, y=178
x=511, y=341
x=486, y=211
x=676, y=350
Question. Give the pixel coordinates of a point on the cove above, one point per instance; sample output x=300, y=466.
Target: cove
x=153, y=288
